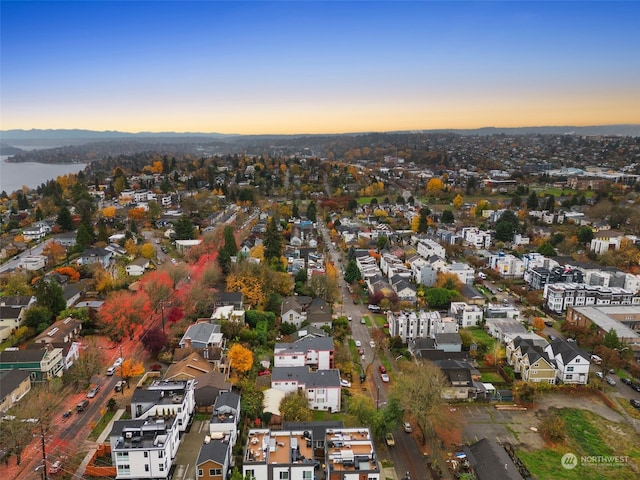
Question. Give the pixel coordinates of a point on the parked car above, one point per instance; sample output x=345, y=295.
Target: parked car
x=384, y=377
x=626, y=381
x=345, y=383
x=55, y=467
x=363, y=321
x=374, y=308
x=358, y=343
x=66, y=414
x=350, y=318
x=635, y=403
x=82, y=405
x=111, y=370
x=361, y=350
x=389, y=439
x=372, y=344
x=599, y=375
x=636, y=386
x=120, y=385
x=382, y=369
x=548, y=323
x=118, y=362
x=93, y=392
x=610, y=380
x=407, y=427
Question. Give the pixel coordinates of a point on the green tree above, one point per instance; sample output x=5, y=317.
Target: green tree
x=547, y=249
x=311, y=211
x=230, y=244
x=382, y=242
x=439, y=297
x=64, y=219
x=585, y=235
x=84, y=237
x=611, y=340
x=184, y=228
x=295, y=407
x=38, y=318
x=352, y=272
x=50, y=295
x=272, y=241
x=532, y=201
x=447, y=217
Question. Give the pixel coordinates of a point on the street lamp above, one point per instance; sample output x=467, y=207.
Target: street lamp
x=161, y=305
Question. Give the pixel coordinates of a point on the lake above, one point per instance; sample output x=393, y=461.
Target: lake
x=14, y=175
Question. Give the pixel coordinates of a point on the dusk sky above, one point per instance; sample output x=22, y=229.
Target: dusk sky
x=311, y=67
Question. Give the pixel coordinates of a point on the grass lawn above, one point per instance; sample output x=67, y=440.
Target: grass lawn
x=481, y=337
x=492, y=377
x=587, y=434
x=101, y=425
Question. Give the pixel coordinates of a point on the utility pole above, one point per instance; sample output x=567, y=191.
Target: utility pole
x=44, y=452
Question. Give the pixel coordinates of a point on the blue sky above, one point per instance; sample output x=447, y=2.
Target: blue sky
x=317, y=67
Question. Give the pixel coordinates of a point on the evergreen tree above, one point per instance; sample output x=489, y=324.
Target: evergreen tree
x=184, y=228
x=295, y=213
x=311, y=211
x=84, y=237
x=230, y=241
x=272, y=241
x=103, y=234
x=38, y=215
x=447, y=217
x=352, y=272
x=50, y=295
x=532, y=201
x=64, y=220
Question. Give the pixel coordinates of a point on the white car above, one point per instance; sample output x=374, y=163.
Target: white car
x=350, y=318
x=372, y=344
x=118, y=362
x=345, y=383
x=384, y=377
x=358, y=343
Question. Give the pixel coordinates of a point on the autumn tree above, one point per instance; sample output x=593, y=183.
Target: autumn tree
x=72, y=273
x=109, y=212
x=294, y=407
x=88, y=364
x=154, y=340
x=538, y=324
x=130, y=368
x=54, y=251
x=458, y=201
x=147, y=250
x=448, y=280
x=419, y=388
x=434, y=187
x=240, y=358
x=121, y=313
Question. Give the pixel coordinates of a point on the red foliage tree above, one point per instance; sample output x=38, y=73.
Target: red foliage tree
x=121, y=313
x=154, y=340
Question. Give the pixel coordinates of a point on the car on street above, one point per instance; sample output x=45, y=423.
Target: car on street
x=635, y=403
x=599, y=375
x=363, y=321
x=350, y=318
x=389, y=439
x=120, y=385
x=626, y=381
x=372, y=344
x=384, y=377
x=345, y=383
x=374, y=308
x=635, y=386
x=111, y=370
x=610, y=380
x=93, y=392
x=406, y=426
x=358, y=343
x=82, y=405
x=66, y=414
x=360, y=350
x=382, y=369
x=118, y=362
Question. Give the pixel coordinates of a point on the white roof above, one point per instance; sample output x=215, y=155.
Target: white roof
x=272, y=399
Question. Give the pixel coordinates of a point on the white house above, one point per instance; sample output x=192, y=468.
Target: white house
x=137, y=267
x=225, y=417
x=466, y=315
x=311, y=351
x=33, y=262
x=572, y=363
x=322, y=387
x=161, y=398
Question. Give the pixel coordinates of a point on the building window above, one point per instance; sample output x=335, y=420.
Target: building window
x=161, y=467
x=569, y=377
x=284, y=476
x=215, y=472
x=146, y=454
x=161, y=454
x=146, y=468
x=200, y=472
x=306, y=475
x=569, y=369
x=251, y=474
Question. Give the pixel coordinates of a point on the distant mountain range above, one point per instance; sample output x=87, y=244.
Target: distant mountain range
x=61, y=137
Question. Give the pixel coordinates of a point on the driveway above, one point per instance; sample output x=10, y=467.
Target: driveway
x=189, y=449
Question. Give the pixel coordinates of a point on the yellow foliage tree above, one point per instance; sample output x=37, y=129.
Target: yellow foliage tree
x=458, y=201
x=415, y=223
x=55, y=251
x=147, y=250
x=157, y=167
x=131, y=247
x=257, y=252
x=285, y=211
x=131, y=368
x=538, y=324
x=137, y=213
x=378, y=212
x=240, y=358
x=109, y=212
x=435, y=186
x=252, y=288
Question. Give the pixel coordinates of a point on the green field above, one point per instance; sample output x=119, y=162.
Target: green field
x=587, y=434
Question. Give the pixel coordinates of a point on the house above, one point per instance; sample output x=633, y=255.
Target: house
x=43, y=364
x=33, y=262
x=137, y=267
x=315, y=352
x=225, y=417
x=14, y=384
x=61, y=331
x=11, y=318
x=188, y=368
x=162, y=398
x=144, y=448
x=319, y=313
x=293, y=310
x=278, y=454
x=526, y=354
x=36, y=232
x=93, y=256
x=466, y=315
x=221, y=299
x=70, y=350
x=504, y=328
x=322, y=387
x=460, y=384
x=350, y=454
x=230, y=313
x=572, y=363
x=214, y=460
x=448, y=342
x=201, y=335
x=208, y=387
x=490, y=461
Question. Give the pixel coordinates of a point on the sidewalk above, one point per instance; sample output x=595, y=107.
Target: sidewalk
x=94, y=445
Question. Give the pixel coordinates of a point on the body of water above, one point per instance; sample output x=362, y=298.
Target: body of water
x=13, y=176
